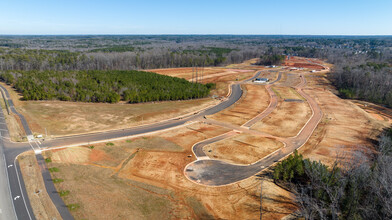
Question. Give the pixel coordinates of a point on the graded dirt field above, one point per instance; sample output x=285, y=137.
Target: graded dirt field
x=344, y=128
x=286, y=120
x=41, y=203
x=289, y=79
x=82, y=168
x=218, y=75
x=144, y=177
x=242, y=149
x=285, y=93
x=301, y=62
x=254, y=101
x=378, y=112
x=66, y=118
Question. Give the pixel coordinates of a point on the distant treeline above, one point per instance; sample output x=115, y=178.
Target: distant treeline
x=362, y=65
x=102, y=86
x=367, y=81
x=117, y=58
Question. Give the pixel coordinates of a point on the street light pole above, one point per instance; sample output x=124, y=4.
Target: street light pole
x=261, y=199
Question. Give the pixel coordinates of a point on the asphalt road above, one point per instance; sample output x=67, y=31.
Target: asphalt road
x=271, y=106
x=13, y=110
x=18, y=198
x=51, y=189
x=216, y=173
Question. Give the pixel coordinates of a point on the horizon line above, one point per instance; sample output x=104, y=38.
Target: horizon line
x=361, y=35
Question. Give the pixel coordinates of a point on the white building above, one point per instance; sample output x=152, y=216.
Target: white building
x=261, y=80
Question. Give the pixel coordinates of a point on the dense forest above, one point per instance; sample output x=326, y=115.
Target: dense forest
x=369, y=81
x=362, y=64
x=103, y=86
x=359, y=188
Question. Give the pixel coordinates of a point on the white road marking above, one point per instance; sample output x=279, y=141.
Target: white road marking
x=10, y=165
x=9, y=187
x=16, y=197
x=37, y=144
x=20, y=187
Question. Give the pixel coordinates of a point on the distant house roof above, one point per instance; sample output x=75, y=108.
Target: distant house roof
x=262, y=79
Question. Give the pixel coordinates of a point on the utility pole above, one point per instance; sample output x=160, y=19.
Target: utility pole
x=202, y=72
x=196, y=74
x=261, y=199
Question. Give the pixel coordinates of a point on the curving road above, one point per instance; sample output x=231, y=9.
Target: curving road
x=17, y=205
x=216, y=172
x=208, y=172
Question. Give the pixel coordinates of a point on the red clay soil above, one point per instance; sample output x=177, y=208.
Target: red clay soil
x=98, y=155
x=301, y=62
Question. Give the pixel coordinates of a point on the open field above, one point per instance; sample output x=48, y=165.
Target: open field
x=301, y=62
x=242, y=149
x=147, y=181
x=286, y=93
x=289, y=79
x=286, y=120
x=208, y=72
x=255, y=100
x=376, y=111
x=42, y=205
x=343, y=124
x=218, y=75
x=186, y=72
x=65, y=118
x=144, y=177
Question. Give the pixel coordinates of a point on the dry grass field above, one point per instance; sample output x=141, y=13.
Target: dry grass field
x=66, y=118
x=286, y=120
x=345, y=127
x=142, y=178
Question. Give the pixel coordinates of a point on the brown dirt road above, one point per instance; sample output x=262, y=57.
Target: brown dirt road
x=216, y=172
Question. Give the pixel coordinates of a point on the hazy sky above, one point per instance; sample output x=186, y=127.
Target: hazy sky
x=327, y=17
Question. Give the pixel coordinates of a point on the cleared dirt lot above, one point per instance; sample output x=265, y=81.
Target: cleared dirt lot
x=376, y=111
x=218, y=75
x=254, y=101
x=343, y=124
x=66, y=118
x=143, y=178
x=301, y=62
x=289, y=79
x=286, y=120
x=287, y=93
x=242, y=149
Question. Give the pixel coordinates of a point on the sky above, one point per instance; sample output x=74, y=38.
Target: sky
x=254, y=17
